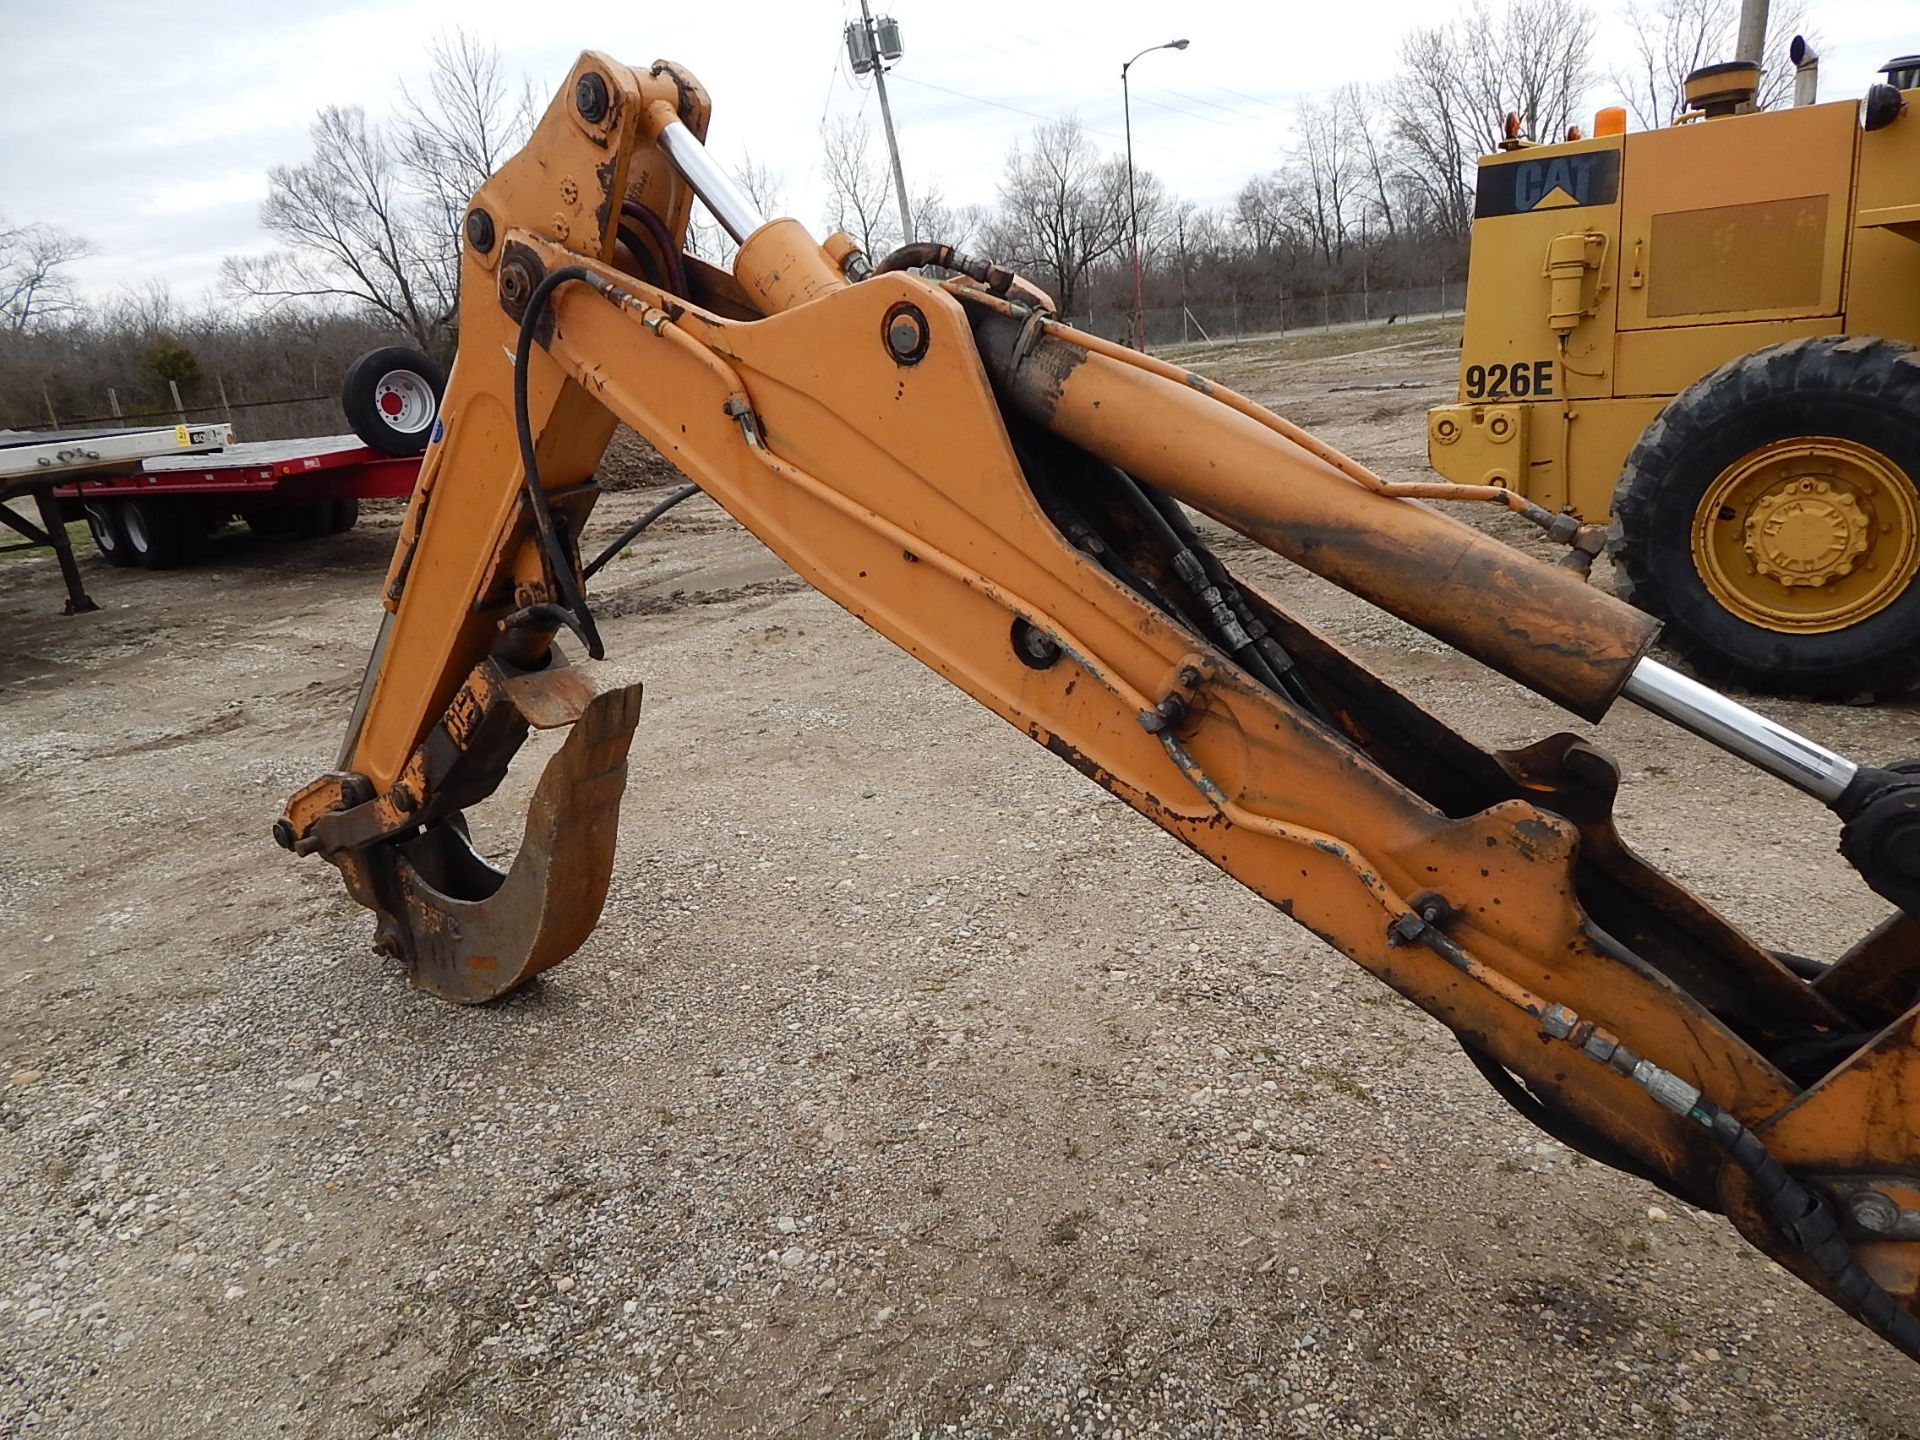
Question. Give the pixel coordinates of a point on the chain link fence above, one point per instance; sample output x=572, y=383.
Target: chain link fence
x=1243, y=319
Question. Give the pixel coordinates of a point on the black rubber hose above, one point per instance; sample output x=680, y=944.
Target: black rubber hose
x=1568, y=1129
x=1808, y=1224
x=1289, y=680
x=929, y=252
x=649, y=267
x=558, y=561
x=1192, y=569
x=1039, y=470
x=652, y=513
x=669, y=252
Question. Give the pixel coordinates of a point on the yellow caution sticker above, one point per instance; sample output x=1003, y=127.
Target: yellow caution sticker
x=180, y=435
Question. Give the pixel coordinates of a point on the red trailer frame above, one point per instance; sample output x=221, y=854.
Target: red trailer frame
x=263, y=472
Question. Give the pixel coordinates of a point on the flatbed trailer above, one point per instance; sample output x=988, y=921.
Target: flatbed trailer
x=37, y=463
x=157, y=516
x=151, y=496
x=262, y=473
x=152, y=510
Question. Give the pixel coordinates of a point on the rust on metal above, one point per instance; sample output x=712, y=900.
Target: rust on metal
x=1541, y=627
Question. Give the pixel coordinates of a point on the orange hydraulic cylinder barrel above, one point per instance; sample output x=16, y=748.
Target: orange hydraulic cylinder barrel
x=1539, y=625
x=783, y=267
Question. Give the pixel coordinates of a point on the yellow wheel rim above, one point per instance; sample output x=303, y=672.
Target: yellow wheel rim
x=1808, y=535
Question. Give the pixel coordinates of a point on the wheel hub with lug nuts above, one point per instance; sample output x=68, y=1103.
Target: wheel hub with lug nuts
x=1808, y=535
x=1807, y=532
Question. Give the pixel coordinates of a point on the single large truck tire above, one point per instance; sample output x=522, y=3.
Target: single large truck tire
x=1770, y=518
x=159, y=533
x=392, y=399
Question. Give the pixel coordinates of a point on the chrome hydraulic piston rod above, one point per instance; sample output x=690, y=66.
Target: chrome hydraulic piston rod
x=737, y=214
x=1802, y=763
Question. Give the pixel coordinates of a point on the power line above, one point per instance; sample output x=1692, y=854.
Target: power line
x=1030, y=114
x=833, y=78
x=1176, y=110
x=1238, y=95
x=1202, y=100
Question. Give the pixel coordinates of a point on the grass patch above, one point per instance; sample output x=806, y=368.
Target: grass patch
x=1068, y=1228
x=78, y=536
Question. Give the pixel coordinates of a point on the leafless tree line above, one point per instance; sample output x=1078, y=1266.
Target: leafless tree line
x=1374, y=188
x=228, y=364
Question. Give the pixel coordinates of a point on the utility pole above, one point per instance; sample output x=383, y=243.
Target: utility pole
x=869, y=47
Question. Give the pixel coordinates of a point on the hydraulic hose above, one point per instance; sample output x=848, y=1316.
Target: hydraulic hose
x=669, y=252
x=652, y=513
x=558, y=561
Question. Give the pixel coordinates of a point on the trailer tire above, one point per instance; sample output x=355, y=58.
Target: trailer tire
x=311, y=518
x=346, y=515
x=109, y=536
x=157, y=534
x=1770, y=517
x=269, y=522
x=392, y=399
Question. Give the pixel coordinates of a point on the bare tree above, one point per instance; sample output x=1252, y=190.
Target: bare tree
x=1263, y=214
x=765, y=187
x=934, y=219
x=373, y=217
x=1460, y=80
x=450, y=141
x=859, y=192
x=1063, y=208
x=1534, y=60
x=1676, y=37
x=1373, y=152
x=350, y=232
x=34, y=285
x=1433, y=123
x=1325, y=164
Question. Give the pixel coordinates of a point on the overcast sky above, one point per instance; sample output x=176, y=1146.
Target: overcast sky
x=149, y=127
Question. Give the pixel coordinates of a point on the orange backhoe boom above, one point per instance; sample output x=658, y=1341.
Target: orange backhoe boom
x=1000, y=495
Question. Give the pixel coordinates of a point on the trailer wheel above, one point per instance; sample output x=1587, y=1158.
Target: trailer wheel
x=1770, y=516
x=157, y=534
x=269, y=522
x=392, y=397
x=109, y=536
x=311, y=518
x=346, y=515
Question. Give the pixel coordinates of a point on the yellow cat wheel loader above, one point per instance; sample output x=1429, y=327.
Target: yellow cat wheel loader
x=1006, y=498
x=1704, y=335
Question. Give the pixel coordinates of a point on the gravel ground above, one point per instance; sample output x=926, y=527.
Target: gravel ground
x=910, y=1086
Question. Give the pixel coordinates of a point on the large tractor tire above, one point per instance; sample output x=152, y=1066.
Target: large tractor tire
x=392, y=398
x=1770, y=517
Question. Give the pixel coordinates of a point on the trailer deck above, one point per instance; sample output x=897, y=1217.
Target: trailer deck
x=175, y=472
x=37, y=462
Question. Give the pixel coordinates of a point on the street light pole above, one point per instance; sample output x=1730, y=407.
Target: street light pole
x=1133, y=203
